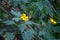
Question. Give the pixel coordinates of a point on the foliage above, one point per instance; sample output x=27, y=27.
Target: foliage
x=40, y=21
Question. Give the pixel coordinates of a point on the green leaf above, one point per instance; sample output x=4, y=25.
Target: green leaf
x=39, y=5
x=16, y=19
x=56, y=29
x=16, y=2
x=24, y=8
x=29, y=22
x=22, y=27
x=0, y=19
x=49, y=11
x=9, y=36
x=48, y=36
x=16, y=13
x=44, y=10
x=27, y=35
x=26, y=1
x=2, y=31
x=9, y=22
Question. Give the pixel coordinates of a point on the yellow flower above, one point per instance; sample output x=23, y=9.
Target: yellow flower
x=24, y=17
x=53, y=21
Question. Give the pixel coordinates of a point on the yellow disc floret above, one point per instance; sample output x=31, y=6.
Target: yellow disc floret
x=53, y=21
x=24, y=17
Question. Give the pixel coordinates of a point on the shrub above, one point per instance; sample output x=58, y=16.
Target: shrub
x=29, y=19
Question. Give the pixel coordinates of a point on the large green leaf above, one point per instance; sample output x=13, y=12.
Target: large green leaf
x=9, y=36
x=27, y=35
x=9, y=22
x=16, y=13
x=16, y=19
x=22, y=27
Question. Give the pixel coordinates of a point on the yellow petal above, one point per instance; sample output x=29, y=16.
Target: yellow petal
x=53, y=21
x=24, y=14
x=27, y=17
x=24, y=17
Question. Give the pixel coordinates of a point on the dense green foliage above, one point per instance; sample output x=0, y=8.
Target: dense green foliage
x=38, y=27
